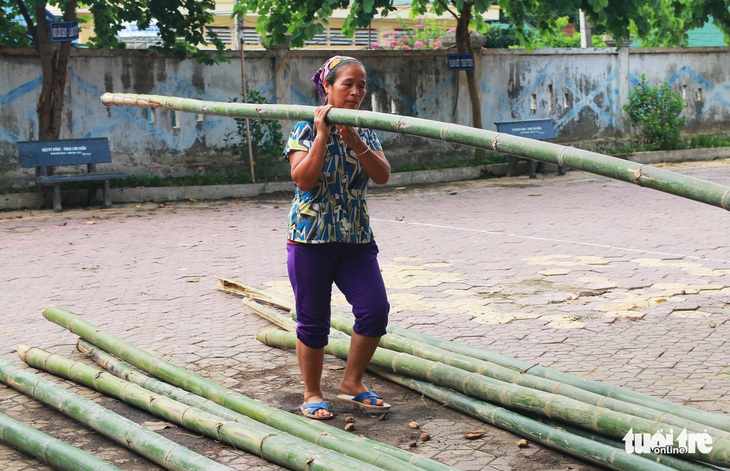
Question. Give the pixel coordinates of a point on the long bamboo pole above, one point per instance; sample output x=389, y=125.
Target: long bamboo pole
x=178, y=376
x=601, y=420
x=593, y=448
x=121, y=430
x=253, y=437
x=55, y=453
x=600, y=164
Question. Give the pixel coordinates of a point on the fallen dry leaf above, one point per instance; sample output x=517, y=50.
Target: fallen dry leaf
x=414, y=425
x=154, y=426
x=334, y=367
x=473, y=435
x=193, y=280
x=425, y=437
x=523, y=443
x=349, y=427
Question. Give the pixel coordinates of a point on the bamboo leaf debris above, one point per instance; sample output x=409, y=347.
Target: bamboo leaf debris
x=315, y=432
x=502, y=391
x=52, y=451
x=565, y=156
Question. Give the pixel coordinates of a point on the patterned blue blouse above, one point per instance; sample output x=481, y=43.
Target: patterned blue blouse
x=334, y=210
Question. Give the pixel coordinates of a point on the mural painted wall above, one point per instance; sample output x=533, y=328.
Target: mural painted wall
x=582, y=91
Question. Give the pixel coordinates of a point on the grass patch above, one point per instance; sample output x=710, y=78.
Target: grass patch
x=416, y=166
x=702, y=141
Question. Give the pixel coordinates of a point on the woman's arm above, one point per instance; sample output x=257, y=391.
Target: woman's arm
x=374, y=162
x=306, y=167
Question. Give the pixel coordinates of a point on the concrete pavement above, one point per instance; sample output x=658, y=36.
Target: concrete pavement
x=579, y=273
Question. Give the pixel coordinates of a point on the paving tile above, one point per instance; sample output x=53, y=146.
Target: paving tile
x=590, y=284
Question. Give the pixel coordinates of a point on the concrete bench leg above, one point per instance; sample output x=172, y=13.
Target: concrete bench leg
x=511, y=164
x=107, y=196
x=57, y=198
x=533, y=168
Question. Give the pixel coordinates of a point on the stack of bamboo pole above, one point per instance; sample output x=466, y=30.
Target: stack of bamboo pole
x=581, y=417
x=190, y=401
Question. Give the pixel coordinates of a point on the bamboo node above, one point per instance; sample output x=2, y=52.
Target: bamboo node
x=560, y=156
x=639, y=175
x=726, y=200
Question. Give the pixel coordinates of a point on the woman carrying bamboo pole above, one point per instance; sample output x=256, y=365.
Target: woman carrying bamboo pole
x=329, y=239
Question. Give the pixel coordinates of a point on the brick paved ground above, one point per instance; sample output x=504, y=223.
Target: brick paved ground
x=579, y=273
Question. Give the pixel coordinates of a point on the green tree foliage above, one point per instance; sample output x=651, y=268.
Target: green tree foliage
x=266, y=139
x=656, y=113
x=25, y=24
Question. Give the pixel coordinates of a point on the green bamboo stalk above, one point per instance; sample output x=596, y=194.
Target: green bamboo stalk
x=52, y=451
x=573, y=441
x=619, y=169
x=253, y=437
x=616, y=392
x=328, y=441
x=598, y=419
x=152, y=446
x=168, y=372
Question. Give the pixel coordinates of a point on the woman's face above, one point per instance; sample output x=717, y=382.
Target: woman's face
x=349, y=87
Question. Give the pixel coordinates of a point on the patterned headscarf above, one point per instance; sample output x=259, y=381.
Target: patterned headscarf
x=322, y=72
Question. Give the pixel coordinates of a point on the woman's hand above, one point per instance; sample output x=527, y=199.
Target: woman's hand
x=350, y=136
x=306, y=167
x=373, y=161
x=320, y=121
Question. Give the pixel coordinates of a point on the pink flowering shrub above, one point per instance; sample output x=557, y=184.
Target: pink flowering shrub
x=424, y=35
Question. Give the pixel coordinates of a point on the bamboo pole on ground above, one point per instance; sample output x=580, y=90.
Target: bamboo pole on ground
x=152, y=446
x=710, y=419
x=54, y=452
x=619, y=169
x=602, y=420
x=334, y=441
x=570, y=440
x=253, y=437
x=178, y=376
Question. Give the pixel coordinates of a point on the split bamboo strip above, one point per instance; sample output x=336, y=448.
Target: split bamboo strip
x=631, y=172
x=328, y=440
x=402, y=344
x=178, y=376
x=152, y=446
x=343, y=322
x=253, y=437
x=570, y=440
x=602, y=420
x=710, y=419
x=52, y=451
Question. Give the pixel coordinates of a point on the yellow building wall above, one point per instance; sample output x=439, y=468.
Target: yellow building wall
x=225, y=26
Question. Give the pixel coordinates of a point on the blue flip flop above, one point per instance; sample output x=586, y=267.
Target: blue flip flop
x=372, y=403
x=308, y=410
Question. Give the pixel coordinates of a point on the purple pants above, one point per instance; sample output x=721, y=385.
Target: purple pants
x=354, y=269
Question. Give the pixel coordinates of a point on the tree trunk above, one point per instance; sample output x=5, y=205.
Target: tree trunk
x=54, y=69
x=463, y=46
